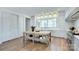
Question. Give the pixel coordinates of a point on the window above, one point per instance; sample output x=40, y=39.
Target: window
x=43, y=23
x=52, y=23
x=46, y=23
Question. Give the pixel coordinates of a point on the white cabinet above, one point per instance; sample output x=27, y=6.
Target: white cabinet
x=76, y=43
x=70, y=40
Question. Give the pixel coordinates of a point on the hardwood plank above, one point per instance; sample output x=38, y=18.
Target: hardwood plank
x=57, y=44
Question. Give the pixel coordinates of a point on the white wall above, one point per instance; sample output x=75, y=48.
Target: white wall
x=61, y=26
x=21, y=24
x=11, y=25
x=0, y=27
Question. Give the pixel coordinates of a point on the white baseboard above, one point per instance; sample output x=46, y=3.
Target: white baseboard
x=10, y=38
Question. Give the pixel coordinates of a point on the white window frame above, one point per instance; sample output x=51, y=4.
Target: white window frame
x=53, y=19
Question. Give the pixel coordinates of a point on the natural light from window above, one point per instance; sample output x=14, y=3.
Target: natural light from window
x=47, y=20
x=44, y=23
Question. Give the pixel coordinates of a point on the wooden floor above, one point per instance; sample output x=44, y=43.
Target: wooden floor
x=57, y=44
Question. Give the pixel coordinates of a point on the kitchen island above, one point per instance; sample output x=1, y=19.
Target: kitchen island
x=76, y=42
x=73, y=41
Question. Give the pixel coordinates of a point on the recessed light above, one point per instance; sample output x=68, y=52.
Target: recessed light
x=41, y=16
x=38, y=17
x=55, y=15
x=50, y=15
x=45, y=16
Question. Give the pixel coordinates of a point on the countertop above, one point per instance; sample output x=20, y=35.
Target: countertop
x=76, y=36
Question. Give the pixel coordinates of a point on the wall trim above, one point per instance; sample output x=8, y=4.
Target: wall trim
x=11, y=39
x=59, y=37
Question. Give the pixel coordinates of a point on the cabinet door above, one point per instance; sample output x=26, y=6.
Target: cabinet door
x=76, y=44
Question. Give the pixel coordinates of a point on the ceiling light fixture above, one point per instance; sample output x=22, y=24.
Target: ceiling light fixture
x=48, y=15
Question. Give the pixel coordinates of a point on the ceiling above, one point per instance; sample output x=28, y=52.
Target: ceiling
x=32, y=11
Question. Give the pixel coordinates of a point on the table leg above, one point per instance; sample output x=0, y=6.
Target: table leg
x=24, y=37
x=49, y=40
x=33, y=39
